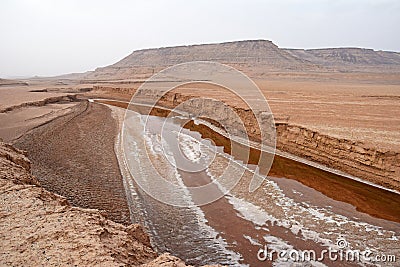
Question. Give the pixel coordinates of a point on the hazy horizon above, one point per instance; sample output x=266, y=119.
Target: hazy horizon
x=48, y=38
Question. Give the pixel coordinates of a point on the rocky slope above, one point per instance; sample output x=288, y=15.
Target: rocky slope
x=350, y=58
x=257, y=55
x=254, y=57
x=39, y=228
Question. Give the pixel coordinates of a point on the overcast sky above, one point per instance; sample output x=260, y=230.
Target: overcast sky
x=50, y=37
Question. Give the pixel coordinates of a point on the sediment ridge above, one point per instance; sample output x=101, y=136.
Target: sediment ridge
x=49, y=100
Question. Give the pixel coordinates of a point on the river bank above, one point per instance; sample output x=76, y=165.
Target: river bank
x=283, y=213
x=40, y=228
x=375, y=164
x=261, y=213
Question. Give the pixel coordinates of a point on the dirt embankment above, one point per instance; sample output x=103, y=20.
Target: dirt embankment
x=39, y=228
x=356, y=158
x=39, y=103
x=7, y=82
x=353, y=157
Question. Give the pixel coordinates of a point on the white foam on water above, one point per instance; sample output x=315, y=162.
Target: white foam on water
x=190, y=147
x=321, y=225
x=252, y=241
x=318, y=224
x=250, y=211
x=234, y=257
x=140, y=164
x=297, y=192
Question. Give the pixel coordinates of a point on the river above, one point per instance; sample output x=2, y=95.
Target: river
x=298, y=208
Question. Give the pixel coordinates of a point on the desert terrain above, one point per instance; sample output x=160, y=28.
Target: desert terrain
x=337, y=118
x=348, y=95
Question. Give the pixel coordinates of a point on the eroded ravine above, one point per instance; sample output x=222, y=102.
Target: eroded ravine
x=236, y=226
x=300, y=211
x=369, y=199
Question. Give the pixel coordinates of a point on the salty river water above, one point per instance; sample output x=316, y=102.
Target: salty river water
x=284, y=214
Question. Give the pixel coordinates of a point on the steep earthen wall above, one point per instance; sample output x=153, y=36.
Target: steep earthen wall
x=355, y=158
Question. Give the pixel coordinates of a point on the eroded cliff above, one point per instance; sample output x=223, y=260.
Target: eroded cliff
x=354, y=157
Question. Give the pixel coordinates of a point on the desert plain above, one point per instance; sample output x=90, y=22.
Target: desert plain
x=338, y=109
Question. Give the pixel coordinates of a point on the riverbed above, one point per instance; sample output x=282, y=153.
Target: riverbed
x=298, y=207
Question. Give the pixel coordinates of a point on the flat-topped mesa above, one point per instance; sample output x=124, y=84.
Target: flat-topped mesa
x=256, y=51
x=240, y=54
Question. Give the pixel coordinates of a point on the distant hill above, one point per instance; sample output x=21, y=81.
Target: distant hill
x=242, y=52
x=254, y=57
x=348, y=57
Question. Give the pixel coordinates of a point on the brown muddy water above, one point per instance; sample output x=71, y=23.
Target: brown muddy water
x=297, y=208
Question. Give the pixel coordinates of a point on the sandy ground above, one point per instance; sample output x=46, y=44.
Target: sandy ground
x=355, y=106
x=24, y=107
x=359, y=107
x=73, y=154
x=17, y=122
x=351, y=109
x=16, y=95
